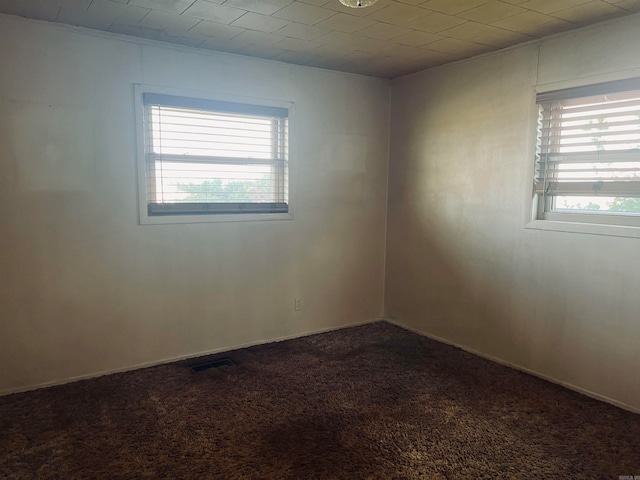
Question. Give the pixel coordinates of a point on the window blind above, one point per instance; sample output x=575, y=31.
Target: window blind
x=589, y=142
x=205, y=157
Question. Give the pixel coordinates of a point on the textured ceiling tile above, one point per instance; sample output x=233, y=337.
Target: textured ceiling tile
x=385, y=66
x=629, y=5
x=258, y=38
x=224, y=44
x=327, y=63
x=399, y=14
x=81, y=4
x=167, y=21
x=370, y=45
x=302, y=31
x=403, y=52
x=356, y=56
x=135, y=31
x=317, y=3
x=334, y=51
x=296, y=45
x=486, y=35
x=590, y=12
x=290, y=56
x=185, y=39
x=436, y=22
x=175, y=6
x=262, y=23
x=124, y=14
x=411, y=2
x=211, y=11
x=218, y=30
x=452, y=7
x=417, y=38
x=469, y=31
x=391, y=37
x=341, y=58
x=384, y=31
x=527, y=22
x=310, y=58
x=266, y=7
x=36, y=9
x=335, y=38
x=84, y=18
x=341, y=22
x=550, y=6
x=502, y=38
x=352, y=43
x=454, y=45
x=491, y=12
x=304, y=13
x=432, y=55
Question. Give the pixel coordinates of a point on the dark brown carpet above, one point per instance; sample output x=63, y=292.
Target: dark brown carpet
x=371, y=402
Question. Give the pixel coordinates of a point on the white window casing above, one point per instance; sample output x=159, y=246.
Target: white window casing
x=587, y=167
x=204, y=159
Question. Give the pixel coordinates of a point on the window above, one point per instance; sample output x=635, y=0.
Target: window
x=588, y=154
x=212, y=158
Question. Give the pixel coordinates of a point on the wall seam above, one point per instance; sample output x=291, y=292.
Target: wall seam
x=386, y=213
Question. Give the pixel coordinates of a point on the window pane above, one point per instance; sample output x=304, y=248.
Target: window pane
x=178, y=182
x=208, y=161
x=597, y=204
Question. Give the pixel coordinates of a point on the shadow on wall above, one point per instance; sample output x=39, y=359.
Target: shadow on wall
x=464, y=289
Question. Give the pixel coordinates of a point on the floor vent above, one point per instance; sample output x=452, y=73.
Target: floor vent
x=220, y=362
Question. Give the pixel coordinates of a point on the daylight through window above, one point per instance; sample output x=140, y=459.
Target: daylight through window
x=588, y=157
x=213, y=157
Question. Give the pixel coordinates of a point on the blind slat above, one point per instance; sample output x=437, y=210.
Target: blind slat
x=586, y=146
x=599, y=134
x=590, y=188
x=208, y=157
x=605, y=105
x=595, y=144
x=212, y=160
x=583, y=121
x=600, y=156
x=613, y=124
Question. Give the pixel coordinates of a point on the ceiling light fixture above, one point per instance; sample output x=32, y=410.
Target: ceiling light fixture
x=357, y=3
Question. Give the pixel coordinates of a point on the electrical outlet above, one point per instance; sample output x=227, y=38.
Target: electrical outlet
x=298, y=304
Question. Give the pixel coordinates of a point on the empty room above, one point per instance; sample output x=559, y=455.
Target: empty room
x=319, y=239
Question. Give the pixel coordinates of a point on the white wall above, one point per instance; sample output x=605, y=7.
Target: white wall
x=85, y=289
x=460, y=265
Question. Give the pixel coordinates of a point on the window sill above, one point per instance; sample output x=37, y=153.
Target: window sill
x=585, y=228
x=214, y=218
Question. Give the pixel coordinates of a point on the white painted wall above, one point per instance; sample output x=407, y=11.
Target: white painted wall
x=85, y=289
x=460, y=265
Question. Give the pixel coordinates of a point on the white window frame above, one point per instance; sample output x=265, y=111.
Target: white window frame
x=143, y=215
x=617, y=224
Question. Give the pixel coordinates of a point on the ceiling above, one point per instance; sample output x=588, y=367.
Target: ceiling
x=388, y=39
